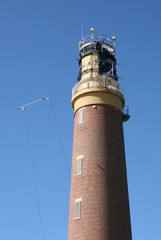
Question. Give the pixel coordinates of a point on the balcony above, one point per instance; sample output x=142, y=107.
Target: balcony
x=98, y=82
x=88, y=44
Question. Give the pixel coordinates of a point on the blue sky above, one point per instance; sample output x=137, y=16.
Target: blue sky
x=38, y=52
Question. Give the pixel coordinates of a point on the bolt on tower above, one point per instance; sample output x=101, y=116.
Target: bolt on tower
x=99, y=204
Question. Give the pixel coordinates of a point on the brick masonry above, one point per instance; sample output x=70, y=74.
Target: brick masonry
x=103, y=182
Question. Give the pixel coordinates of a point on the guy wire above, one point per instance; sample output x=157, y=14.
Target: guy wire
x=34, y=175
x=62, y=147
x=54, y=116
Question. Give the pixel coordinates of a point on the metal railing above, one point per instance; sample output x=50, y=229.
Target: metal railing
x=99, y=82
x=93, y=38
x=125, y=110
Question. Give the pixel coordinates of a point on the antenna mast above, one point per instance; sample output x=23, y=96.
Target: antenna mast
x=23, y=107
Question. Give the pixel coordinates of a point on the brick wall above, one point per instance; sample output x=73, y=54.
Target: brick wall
x=103, y=182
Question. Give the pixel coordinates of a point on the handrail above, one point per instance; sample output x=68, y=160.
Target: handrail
x=125, y=110
x=96, y=38
x=100, y=82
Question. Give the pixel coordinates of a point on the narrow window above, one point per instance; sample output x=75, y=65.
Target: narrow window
x=81, y=116
x=79, y=166
x=78, y=208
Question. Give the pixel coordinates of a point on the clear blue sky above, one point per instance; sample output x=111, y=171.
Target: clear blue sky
x=38, y=52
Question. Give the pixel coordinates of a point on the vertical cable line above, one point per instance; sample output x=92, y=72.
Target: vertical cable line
x=34, y=176
x=61, y=143
x=54, y=116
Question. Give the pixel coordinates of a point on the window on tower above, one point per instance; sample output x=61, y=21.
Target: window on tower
x=78, y=208
x=81, y=115
x=79, y=164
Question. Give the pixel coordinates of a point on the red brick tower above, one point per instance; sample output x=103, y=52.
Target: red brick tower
x=99, y=205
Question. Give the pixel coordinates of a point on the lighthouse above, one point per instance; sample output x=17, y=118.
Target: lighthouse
x=99, y=202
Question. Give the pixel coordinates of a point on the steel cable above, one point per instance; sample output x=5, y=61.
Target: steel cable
x=54, y=116
x=34, y=176
x=62, y=147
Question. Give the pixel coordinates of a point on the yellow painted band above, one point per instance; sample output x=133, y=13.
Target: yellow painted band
x=97, y=96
